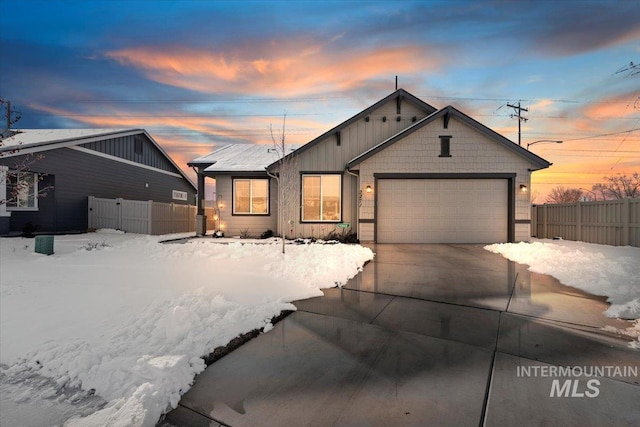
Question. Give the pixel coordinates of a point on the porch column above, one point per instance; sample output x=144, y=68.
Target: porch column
x=201, y=219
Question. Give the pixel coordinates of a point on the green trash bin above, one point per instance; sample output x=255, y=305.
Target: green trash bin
x=44, y=245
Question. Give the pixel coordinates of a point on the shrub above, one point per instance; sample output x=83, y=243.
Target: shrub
x=344, y=236
x=266, y=234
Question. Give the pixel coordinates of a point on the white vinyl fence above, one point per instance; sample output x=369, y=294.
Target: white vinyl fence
x=609, y=222
x=144, y=217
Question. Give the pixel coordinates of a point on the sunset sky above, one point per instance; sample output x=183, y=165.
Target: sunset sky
x=200, y=74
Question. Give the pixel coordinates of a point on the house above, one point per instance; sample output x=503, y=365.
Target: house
x=76, y=164
x=400, y=171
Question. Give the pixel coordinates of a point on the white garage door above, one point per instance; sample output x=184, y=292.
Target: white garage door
x=442, y=210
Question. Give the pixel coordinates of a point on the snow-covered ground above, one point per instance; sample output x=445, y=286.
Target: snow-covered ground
x=110, y=329
x=611, y=271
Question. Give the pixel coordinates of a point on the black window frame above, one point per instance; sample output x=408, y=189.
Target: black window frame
x=445, y=146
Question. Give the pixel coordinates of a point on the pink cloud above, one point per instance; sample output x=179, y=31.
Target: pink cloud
x=275, y=68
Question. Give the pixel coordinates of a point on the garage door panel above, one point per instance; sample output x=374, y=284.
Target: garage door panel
x=442, y=210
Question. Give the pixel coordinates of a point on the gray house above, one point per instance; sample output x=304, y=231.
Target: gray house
x=400, y=171
x=76, y=164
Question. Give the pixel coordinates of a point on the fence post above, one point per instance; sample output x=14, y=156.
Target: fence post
x=173, y=218
x=119, y=214
x=578, y=233
x=90, y=207
x=149, y=217
x=626, y=207
x=544, y=221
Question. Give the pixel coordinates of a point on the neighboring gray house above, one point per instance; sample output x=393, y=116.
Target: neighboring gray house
x=78, y=163
x=400, y=171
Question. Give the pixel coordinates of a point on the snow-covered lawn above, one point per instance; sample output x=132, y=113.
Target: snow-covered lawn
x=110, y=329
x=611, y=271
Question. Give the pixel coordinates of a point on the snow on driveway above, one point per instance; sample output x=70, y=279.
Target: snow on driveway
x=611, y=271
x=127, y=318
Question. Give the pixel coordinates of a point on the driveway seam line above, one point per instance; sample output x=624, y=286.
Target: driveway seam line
x=383, y=309
x=206, y=416
x=427, y=299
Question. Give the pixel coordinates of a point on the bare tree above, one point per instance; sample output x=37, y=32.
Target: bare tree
x=17, y=177
x=286, y=175
x=619, y=187
x=561, y=194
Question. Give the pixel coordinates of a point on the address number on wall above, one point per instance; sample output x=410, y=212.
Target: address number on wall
x=179, y=195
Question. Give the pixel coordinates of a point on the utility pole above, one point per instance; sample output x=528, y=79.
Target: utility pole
x=521, y=119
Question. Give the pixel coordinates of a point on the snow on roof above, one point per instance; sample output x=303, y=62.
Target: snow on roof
x=29, y=137
x=240, y=158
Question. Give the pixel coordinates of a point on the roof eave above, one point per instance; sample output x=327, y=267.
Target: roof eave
x=360, y=115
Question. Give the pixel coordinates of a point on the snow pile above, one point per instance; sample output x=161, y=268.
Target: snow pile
x=126, y=319
x=611, y=271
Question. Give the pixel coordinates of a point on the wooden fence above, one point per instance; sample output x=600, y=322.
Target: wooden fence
x=609, y=222
x=145, y=217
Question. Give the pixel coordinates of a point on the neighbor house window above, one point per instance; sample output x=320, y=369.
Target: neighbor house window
x=321, y=197
x=137, y=144
x=22, y=188
x=251, y=196
x=445, y=146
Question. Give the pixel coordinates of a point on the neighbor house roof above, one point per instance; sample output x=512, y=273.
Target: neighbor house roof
x=401, y=94
x=26, y=141
x=236, y=158
x=447, y=112
x=28, y=138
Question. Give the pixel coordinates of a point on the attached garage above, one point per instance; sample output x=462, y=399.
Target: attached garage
x=443, y=210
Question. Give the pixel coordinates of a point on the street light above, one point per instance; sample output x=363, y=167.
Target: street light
x=543, y=140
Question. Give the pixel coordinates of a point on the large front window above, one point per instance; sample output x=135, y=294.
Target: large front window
x=251, y=196
x=321, y=197
x=22, y=188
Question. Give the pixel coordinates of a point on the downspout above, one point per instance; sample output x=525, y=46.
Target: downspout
x=346, y=169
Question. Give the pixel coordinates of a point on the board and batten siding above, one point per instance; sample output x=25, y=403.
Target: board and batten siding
x=124, y=148
x=76, y=175
x=237, y=225
x=471, y=152
x=254, y=225
x=358, y=137
x=326, y=156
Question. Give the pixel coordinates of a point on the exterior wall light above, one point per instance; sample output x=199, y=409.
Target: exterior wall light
x=523, y=188
x=368, y=189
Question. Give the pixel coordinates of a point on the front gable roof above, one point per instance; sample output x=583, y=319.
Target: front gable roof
x=401, y=94
x=445, y=113
x=26, y=141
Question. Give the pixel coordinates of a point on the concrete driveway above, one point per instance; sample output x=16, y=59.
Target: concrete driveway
x=428, y=335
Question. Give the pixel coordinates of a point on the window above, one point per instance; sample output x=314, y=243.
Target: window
x=22, y=188
x=251, y=196
x=321, y=197
x=445, y=146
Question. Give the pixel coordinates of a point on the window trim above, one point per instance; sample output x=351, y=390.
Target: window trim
x=233, y=196
x=33, y=208
x=341, y=203
x=445, y=142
